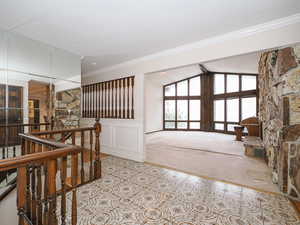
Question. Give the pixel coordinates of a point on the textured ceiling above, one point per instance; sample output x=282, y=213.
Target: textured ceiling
x=113, y=31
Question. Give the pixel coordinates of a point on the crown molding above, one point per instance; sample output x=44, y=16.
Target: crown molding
x=245, y=32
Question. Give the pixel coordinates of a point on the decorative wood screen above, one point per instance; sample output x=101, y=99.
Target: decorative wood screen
x=109, y=99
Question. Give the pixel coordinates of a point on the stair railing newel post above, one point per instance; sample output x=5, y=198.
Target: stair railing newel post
x=97, y=166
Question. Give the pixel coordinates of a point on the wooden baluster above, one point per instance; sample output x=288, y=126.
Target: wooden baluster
x=128, y=110
x=116, y=100
x=89, y=101
x=105, y=100
x=63, y=177
x=74, y=177
x=91, y=155
x=111, y=100
x=28, y=193
x=46, y=201
x=52, y=169
x=21, y=194
x=124, y=94
x=132, y=98
x=39, y=191
x=120, y=99
x=83, y=101
x=33, y=189
x=82, y=158
x=97, y=166
x=102, y=99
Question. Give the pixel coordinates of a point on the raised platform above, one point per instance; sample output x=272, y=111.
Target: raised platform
x=254, y=147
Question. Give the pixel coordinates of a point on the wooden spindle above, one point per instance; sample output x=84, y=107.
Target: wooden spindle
x=128, y=110
x=82, y=158
x=39, y=191
x=120, y=99
x=124, y=99
x=52, y=169
x=46, y=200
x=63, y=177
x=33, y=189
x=91, y=155
x=21, y=194
x=132, y=98
x=102, y=100
x=97, y=166
x=74, y=176
x=112, y=99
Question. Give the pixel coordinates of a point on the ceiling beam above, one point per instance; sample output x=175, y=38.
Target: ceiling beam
x=203, y=68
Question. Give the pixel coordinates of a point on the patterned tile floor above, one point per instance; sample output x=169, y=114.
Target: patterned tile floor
x=132, y=193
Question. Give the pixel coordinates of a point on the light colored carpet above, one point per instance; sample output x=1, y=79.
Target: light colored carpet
x=204, y=141
x=233, y=168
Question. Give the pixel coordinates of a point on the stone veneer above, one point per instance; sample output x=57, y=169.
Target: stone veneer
x=279, y=112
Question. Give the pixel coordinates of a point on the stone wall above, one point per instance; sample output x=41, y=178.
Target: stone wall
x=279, y=112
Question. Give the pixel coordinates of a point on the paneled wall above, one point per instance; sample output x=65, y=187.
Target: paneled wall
x=123, y=137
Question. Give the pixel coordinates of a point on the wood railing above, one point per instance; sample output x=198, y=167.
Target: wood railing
x=77, y=137
x=48, y=169
x=10, y=144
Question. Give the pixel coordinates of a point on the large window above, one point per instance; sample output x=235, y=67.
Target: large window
x=223, y=101
x=182, y=104
x=235, y=98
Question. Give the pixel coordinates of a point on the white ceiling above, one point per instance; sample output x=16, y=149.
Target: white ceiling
x=247, y=63
x=113, y=31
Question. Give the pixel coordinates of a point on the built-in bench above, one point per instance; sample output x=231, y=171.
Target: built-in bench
x=254, y=147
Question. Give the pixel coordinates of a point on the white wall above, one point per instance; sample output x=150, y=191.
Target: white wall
x=153, y=106
x=252, y=39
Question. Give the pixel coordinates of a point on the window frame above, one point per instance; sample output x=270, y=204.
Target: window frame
x=233, y=95
x=176, y=98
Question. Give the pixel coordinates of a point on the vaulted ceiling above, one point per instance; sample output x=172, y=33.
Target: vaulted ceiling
x=113, y=31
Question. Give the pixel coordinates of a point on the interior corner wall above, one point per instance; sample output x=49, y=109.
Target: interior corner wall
x=153, y=106
x=279, y=112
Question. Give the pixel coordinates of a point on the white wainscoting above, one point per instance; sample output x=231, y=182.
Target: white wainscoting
x=122, y=138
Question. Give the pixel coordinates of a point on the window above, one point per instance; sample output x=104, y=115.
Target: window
x=234, y=100
x=219, y=84
x=182, y=104
x=219, y=103
x=248, y=107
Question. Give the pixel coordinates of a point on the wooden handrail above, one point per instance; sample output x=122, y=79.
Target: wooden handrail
x=62, y=131
x=44, y=164
x=44, y=141
x=21, y=161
